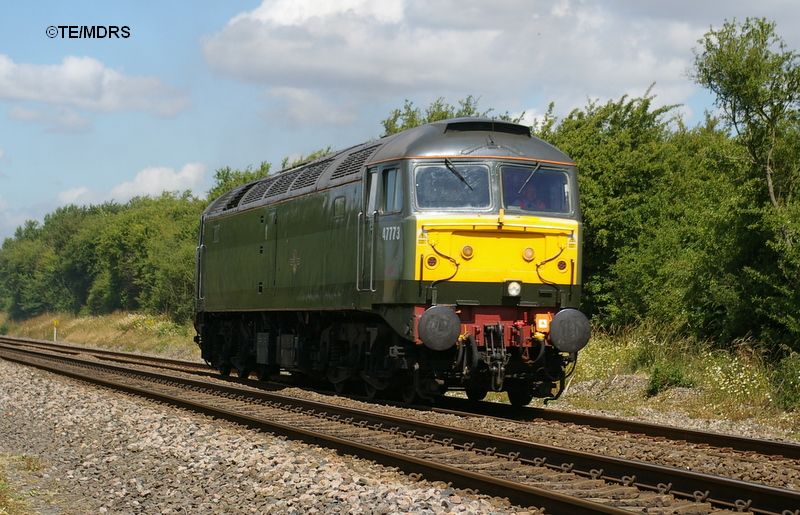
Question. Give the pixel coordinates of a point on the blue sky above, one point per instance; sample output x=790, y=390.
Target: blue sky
x=199, y=84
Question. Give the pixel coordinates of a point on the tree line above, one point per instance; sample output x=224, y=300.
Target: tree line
x=694, y=229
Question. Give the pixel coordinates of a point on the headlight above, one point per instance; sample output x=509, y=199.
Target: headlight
x=513, y=288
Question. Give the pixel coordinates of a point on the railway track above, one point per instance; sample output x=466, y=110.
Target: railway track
x=462, y=407
x=112, y=355
x=561, y=480
x=465, y=408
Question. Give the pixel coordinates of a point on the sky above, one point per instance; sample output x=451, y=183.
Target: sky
x=175, y=90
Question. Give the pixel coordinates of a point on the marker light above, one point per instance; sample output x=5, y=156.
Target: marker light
x=543, y=322
x=527, y=254
x=432, y=261
x=467, y=252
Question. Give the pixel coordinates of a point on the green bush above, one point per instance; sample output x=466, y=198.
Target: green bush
x=786, y=379
x=666, y=375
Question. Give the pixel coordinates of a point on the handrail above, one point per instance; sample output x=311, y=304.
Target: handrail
x=372, y=251
x=358, y=251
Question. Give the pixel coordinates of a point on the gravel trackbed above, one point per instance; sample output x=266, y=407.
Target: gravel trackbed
x=104, y=452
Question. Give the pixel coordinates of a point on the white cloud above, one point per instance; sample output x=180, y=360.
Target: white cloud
x=529, y=116
x=509, y=50
x=150, y=181
x=80, y=195
x=86, y=83
x=560, y=9
x=303, y=106
x=157, y=179
x=298, y=12
x=341, y=48
x=58, y=119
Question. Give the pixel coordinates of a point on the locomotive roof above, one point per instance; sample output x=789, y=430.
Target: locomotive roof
x=457, y=138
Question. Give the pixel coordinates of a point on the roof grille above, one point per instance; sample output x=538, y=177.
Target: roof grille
x=219, y=204
x=309, y=174
x=282, y=183
x=490, y=126
x=236, y=196
x=256, y=192
x=353, y=163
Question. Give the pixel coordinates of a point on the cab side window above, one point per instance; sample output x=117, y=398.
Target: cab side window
x=391, y=191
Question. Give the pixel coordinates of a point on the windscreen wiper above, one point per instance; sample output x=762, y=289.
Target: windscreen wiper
x=536, y=169
x=455, y=172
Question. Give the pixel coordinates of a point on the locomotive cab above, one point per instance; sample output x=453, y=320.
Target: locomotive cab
x=497, y=245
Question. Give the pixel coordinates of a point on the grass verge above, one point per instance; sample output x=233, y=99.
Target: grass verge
x=13, y=501
x=120, y=331
x=648, y=368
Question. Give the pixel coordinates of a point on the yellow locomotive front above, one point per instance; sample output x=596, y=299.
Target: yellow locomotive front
x=498, y=256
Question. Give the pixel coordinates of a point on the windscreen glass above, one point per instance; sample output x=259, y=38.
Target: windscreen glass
x=452, y=187
x=535, y=189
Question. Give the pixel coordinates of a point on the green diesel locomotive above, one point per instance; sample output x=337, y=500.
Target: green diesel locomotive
x=445, y=256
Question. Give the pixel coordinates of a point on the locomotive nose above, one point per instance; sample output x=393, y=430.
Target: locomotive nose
x=570, y=330
x=439, y=327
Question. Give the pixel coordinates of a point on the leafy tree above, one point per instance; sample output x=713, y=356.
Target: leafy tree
x=286, y=163
x=227, y=178
x=410, y=116
x=756, y=80
x=684, y=269
x=97, y=259
x=619, y=147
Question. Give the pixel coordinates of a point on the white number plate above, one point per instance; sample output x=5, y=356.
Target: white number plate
x=391, y=232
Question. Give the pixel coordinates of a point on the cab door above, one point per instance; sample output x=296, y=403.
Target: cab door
x=380, y=232
x=389, y=232
x=365, y=241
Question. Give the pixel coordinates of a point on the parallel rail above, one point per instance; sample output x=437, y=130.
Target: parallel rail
x=553, y=502
x=465, y=408
x=600, y=472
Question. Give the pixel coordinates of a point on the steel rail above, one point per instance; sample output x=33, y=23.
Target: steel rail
x=113, y=354
x=499, y=411
x=722, y=492
x=463, y=407
x=553, y=502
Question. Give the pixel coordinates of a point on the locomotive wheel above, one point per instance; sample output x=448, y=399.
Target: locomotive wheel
x=370, y=391
x=340, y=388
x=262, y=372
x=243, y=373
x=476, y=393
x=409, y=393
x=224, y=369
x=519, y=396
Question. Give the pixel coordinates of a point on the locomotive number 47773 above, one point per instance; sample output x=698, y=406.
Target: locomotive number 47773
x=391, y=232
